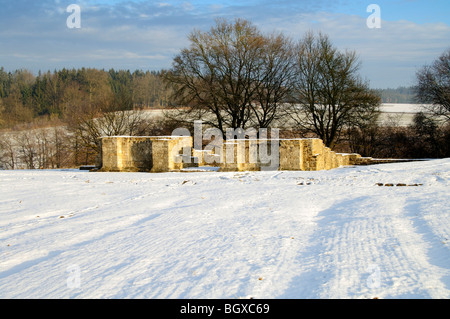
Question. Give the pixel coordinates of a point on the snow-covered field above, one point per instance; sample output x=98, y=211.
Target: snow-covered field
x=401, y=108
x=401, y=114
x=326, y=234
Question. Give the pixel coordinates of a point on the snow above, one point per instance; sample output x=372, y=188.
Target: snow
x=401, y=108
x=400, y=114
x=208, y=234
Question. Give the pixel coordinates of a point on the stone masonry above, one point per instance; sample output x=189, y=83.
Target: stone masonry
x=309, y=154
x=146, y=154
x=174, y=153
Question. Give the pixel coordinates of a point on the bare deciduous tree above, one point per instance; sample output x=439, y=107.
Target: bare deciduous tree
x=111, y=116
x=8, y=153
x=274, y=81
x=231, y=77
x=433, y=86
x=27, y=149
x=328, y=94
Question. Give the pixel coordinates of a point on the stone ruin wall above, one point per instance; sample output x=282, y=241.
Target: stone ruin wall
x=174, y=153
x=309, y=154
x=144, y=154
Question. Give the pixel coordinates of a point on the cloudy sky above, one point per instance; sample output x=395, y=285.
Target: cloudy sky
x=146, y=35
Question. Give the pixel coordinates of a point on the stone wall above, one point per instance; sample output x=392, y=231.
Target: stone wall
x=174, y=153
x=294, y=155
x=146, y=154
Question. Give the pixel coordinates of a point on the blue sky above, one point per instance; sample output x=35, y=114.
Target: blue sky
x=147, y=35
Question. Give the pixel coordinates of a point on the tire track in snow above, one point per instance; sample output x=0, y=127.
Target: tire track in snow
x=366, y=249
x=338, y=253
x=296, y=227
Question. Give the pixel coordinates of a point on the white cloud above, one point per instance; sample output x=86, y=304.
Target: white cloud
x=390, y=55
x=139, y=34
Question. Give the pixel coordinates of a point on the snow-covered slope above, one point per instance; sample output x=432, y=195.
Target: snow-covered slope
x=325, y=234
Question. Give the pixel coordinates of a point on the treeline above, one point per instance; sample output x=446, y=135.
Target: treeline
x=40, y=148
x=398, y=95
x=25, y=97
x=55, y=119
x=423, y=138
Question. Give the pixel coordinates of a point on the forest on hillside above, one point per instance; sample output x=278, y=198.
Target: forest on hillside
x=25, y=97
x=55, y=119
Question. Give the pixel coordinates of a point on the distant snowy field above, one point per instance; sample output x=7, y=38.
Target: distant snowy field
x=325, y=234
x=399, y=114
